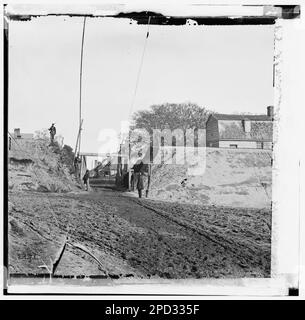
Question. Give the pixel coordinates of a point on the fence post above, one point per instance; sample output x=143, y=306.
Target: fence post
x=148, y=179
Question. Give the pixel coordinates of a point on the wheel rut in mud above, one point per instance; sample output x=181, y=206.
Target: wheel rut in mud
x=139, y=237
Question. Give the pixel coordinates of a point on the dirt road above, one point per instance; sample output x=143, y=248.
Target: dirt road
x=137, y=237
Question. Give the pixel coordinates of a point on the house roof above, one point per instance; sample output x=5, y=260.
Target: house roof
x=259, y=131
x=259, y=117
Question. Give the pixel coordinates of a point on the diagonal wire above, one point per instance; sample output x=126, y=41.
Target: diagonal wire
x=139, y=70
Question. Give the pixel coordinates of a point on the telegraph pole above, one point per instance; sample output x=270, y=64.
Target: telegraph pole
x=80, y=83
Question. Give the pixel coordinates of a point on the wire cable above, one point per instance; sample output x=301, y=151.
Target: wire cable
x=139, y=70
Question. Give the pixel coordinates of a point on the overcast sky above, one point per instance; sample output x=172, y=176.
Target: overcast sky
x=225, y=69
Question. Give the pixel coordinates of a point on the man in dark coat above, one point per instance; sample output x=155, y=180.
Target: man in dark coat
x=140, y=183
x=52, y=130
x=85, y=179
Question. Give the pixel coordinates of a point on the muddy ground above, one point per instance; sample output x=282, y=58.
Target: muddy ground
x=135, y=237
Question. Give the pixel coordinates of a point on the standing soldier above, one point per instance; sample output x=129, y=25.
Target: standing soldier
x=52, y=130
x=137, y=168
x=85, y=179
x=140, y=183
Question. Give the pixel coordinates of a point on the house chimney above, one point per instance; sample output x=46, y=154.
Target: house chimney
x=270, y=112
x=17, y=133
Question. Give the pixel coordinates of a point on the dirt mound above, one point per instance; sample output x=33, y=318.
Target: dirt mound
x=37, y=166
x=237, y=178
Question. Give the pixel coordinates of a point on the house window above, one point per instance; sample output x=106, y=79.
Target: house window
x=233, y=146
x=247, y=126
x=260, y=145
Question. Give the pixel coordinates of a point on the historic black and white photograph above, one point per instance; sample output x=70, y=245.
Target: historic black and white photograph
x=140, y=146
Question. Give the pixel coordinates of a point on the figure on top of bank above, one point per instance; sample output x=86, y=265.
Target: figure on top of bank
x=52, y=130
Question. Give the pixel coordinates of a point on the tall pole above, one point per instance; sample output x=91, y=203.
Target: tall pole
x=76, y=146
x=129, y=162
x=80, y=83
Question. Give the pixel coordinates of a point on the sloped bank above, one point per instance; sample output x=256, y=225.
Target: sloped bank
x=232, y=177
x=34, y=165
